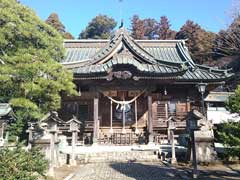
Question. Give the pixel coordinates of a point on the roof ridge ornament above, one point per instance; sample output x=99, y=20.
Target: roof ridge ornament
x=121, y=25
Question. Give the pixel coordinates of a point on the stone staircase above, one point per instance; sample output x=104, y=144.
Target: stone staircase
x=128, y=156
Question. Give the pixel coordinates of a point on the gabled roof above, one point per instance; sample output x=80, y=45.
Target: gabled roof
x=218, y=96
x=52, y=116
x=145, y=59
x=73, y=119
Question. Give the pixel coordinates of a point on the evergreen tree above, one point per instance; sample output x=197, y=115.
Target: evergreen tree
x=229, y=133
x=199, y=42
x=54, y=21
x=31, y=78
x=100, y=27
x=164, y=31
x=18, y=163
x=67, y=35
x=138, y=29
x=150, y=28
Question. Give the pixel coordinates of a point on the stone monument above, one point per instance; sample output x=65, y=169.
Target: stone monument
x=204, y=139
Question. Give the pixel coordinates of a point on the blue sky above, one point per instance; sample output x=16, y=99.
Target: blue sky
x=75, y=14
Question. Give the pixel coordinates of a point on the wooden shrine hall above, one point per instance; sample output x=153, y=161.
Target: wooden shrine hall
x=129, y=89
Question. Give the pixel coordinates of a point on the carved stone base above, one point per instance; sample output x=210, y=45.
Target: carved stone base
x=51, y=172
x=204, y=142
x=150, y=139
x=173, y=161
x=73, y=162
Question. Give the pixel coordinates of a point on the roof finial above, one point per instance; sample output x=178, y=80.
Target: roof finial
x=120, y=13
x=121, y=25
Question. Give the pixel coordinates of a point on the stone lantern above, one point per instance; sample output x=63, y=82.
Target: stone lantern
x=30, y=134
x=201, y=131
x=74, y=126
x=50, y=126
x=6, y=116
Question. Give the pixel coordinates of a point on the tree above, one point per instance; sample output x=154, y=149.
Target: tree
x=100, y=27
x=54, y=21
x=228, y=42
x=21, y=164
x=229, y=133
x=150, y=28
x=143, y=28
x=31, y=79
x=68, y=35
x=199, y=41
x=138, y=29
x=164, y=31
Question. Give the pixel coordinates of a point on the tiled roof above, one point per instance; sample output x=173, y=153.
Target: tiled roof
x=218, y=96
x=140, y=67
x=154, y=59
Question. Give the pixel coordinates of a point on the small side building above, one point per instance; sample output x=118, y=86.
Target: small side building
x=216, y=108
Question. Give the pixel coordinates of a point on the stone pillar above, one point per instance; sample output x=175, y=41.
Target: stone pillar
x=95, y=118
x=173, y=160
x=73, y=157
x=194, y=156
x=2, y=133
x=150, y=125
x=52, y=154
x=204, y=146
x=30, y=136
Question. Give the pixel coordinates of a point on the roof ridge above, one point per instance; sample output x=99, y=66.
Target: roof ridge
x=136, y=40
x=214, y=69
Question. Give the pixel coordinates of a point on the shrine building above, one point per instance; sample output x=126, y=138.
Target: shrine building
x=130, y=89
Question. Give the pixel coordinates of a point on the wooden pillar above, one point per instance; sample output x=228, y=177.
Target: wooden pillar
x=150, y=125
x=95, y=118
x=124, y=119
x=111, y=118
x=136, y=118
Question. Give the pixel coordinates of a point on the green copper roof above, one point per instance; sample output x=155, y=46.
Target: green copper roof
x=154, y=59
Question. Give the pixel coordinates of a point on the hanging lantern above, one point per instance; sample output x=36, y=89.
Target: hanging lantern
x=79, y=91
x=165, y=91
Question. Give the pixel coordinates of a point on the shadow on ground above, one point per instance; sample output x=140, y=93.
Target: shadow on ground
x=141, y=171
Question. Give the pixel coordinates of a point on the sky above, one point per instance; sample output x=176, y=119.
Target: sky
x=212, y=15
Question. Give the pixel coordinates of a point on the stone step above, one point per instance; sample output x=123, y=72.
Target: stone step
x=130, y=156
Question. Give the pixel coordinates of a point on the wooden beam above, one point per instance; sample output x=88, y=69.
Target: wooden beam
x=111, y=116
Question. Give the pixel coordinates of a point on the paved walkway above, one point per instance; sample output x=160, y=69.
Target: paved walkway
x=126, y=171
x=152, y=171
